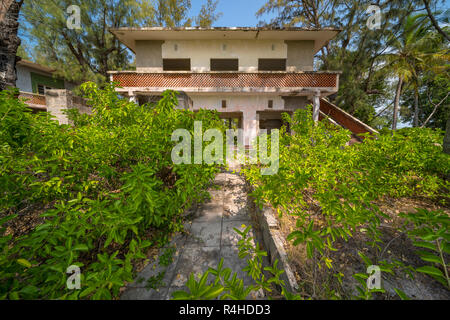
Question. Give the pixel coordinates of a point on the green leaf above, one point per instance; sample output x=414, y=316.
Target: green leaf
x=366, y=260
x=81, y=247
x=213, y=292
x=427, y=245
x=180, y=295
x=401, y=294
x=429, y=257
x=430, y=270
x=24, y=262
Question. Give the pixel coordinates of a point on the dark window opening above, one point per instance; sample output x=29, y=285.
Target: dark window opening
x=224, y=104
x=41, y=89
x=232, y=123
x=177, y=64
x=224, y=65
x=272, y=64
x=270, y=104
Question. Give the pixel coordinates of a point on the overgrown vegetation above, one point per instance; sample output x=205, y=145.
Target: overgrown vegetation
x=227, y=285
x=332, y=191
x=96, y=195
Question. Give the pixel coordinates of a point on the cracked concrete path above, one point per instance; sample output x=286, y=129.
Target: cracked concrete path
x=210, y=237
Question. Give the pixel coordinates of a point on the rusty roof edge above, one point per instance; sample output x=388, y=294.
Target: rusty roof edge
x=226, y=72
x=331, y=28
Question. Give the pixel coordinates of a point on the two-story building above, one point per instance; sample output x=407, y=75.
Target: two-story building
x=249, y=75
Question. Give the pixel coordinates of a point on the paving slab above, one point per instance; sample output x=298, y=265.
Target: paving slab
x=205, y=233
x=195, y=260
x=143, y=294
x=156, y=270
x=209, y=237
x=229, y=255
x=229, y=236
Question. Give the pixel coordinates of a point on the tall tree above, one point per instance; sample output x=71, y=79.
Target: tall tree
x=87, y=51
x=408, y=52
x=173, y=13
x=356, y=48
x=9, y=41
x=427, y=103
x=208, y=14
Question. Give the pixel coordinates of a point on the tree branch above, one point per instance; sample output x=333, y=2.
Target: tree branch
x=435, y=108
x=434, y=22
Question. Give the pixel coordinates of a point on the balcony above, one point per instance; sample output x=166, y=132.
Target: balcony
x=264, y=82
x=34, y=100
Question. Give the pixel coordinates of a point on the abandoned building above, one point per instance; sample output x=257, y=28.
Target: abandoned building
x=249, y=75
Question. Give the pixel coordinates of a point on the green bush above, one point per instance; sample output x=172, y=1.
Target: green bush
x=341, y=183
x=101, y=192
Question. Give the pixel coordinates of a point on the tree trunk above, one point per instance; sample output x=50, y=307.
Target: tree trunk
x=396, y=103
x=416, y=108
x=446, y=144
x=9, y=42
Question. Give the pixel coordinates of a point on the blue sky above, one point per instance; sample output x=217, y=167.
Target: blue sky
x=241, y=13
x=236, y=13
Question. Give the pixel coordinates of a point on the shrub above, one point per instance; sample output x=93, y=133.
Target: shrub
x=99, y=193
x=320, y=172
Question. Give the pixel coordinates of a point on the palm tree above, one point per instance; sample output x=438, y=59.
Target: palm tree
x=407, y=58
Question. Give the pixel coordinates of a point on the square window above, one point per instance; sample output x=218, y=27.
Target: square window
x=272, y=64
x=177, y=64
x=41, y=89
x=224, y=64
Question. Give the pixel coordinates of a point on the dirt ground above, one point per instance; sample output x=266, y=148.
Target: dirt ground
x=319, y=283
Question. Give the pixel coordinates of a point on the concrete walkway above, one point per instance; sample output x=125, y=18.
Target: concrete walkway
x=210, y=238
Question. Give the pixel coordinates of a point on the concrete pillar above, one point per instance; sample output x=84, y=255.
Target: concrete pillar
x=251, y=128
x=250, y=125
x=316, y=106
x=58, y=102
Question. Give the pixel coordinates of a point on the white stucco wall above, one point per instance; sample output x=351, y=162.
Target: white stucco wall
x=23, y=81
x=299, y=54
x=149, y=56
x=235, y=102
x=201, y=51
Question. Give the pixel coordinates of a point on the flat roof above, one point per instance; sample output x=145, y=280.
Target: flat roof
x=128, y=35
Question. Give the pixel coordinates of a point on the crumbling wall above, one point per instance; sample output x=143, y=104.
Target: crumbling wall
x=60, y=100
